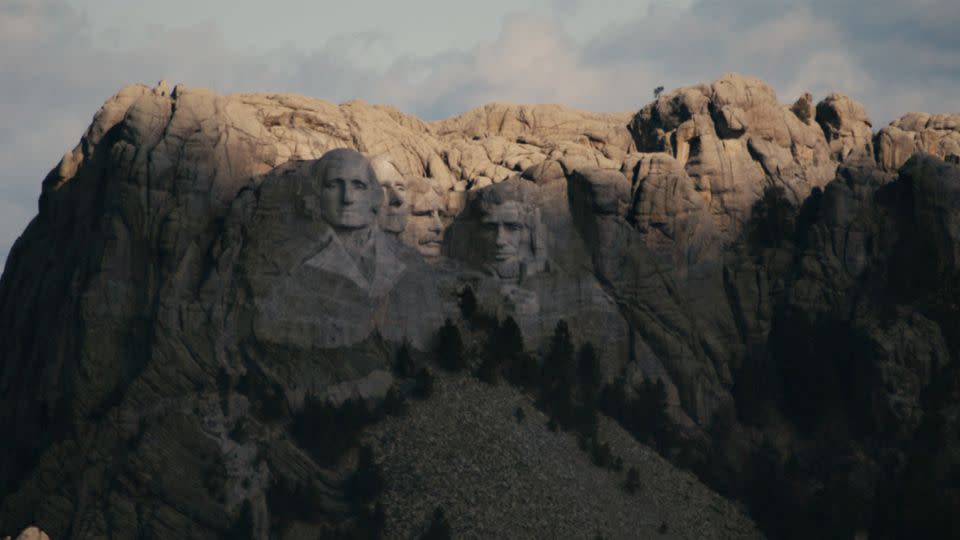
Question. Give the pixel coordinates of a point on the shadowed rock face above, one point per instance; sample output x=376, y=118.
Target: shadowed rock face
x=203, y=267
x=501, y=232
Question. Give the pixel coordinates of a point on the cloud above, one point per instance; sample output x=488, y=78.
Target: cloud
x=892, y=56
x=531, y=60
x=566, y=7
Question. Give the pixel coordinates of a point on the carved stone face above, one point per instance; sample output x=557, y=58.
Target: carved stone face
x=500, y=231
x=393, y=215
x=506, y=238
x=425, y=226
x=350, y=195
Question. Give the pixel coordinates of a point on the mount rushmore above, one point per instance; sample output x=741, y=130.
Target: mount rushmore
x=203, y=268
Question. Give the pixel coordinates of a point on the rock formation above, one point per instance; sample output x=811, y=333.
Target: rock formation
x=208, y=277
x=935, y=134
x=734, y=139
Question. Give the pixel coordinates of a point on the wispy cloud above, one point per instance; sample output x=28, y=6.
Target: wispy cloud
x=892, y=56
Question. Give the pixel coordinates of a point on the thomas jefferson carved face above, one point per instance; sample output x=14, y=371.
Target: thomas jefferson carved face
x=350, y=195
x=393, y=215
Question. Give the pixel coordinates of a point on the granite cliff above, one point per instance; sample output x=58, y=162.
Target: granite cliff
x=192, y=301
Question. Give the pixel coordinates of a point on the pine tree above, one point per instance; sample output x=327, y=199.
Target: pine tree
x=510, y=338
x=504, y=346
x=558, y=366
x=403, y=365
x=600, y=453
x=507, y=344
x=439, y=527
x=423, y=383
x=633, y=481
x=468, y=303
x=449, y=347
x=366, y=483
x=588, y=368
x=489, y=370
x=558, y=374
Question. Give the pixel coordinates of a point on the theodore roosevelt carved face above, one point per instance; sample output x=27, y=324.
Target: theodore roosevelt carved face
x=428, y=219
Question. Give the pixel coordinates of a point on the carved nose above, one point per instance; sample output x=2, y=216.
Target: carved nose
x=501, y=236
x=435, y=224
x=347, y=196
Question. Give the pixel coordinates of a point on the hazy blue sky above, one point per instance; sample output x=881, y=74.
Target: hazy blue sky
x=60, y=59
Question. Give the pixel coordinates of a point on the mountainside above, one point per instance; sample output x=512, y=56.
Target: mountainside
x=209, y=331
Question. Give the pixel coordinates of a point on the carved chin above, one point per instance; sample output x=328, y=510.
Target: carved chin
x=350, y=220
x=507, y=269
x=429, y=249
x=394, y=223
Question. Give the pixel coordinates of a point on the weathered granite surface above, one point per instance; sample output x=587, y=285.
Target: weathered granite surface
x=196, y=274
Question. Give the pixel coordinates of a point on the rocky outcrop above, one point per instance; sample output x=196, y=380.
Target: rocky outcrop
x=734, y=139
x=846, y=127
x=31, y=533
x=670, y=214
x=935, y=134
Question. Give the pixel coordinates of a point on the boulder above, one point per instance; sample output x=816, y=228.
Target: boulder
x=935, y=134
x=846, y=127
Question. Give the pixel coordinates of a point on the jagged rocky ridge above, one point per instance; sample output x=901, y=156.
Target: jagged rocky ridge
x=788, y=274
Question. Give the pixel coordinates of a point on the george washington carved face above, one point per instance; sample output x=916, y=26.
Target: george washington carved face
x=350, y=195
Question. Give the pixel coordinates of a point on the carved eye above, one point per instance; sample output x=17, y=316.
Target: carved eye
x=331, y=183
x=358, y=184
x=491, y=226
x=514, y=226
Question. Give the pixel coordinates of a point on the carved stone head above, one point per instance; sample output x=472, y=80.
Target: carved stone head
x=350, y=195
x=428, y=218
x=502, y=232
x=393, y=215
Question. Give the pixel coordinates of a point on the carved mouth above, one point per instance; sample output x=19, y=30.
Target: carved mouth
x=430, y=249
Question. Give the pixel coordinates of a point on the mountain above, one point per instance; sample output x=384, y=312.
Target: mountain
x=548, y=322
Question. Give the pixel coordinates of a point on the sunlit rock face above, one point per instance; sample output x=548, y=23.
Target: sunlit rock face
x=734, y=138
x=396, y=205
x=934, y=134
x=203, y=265
x=428, y=218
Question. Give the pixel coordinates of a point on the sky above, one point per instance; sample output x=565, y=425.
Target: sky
x=60, y=59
